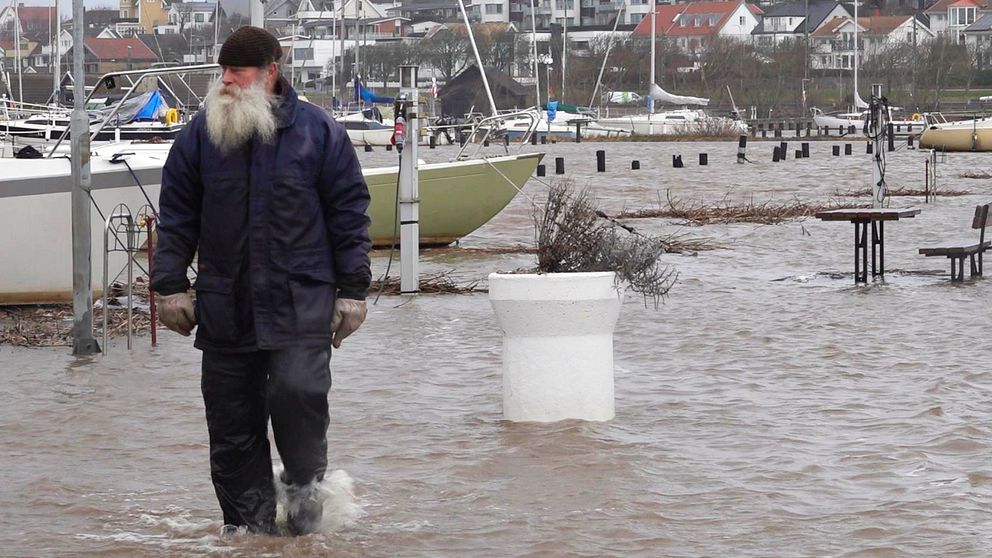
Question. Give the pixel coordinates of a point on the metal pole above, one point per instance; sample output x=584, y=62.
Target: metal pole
x=152, y=308
x=478, y=59
x=564, y=51
x=877, y=180
x=533, y=40
x=256, y=13
x=83, y=342
x=409, y=187
x=334, y=55
x=56, y=53
x=654, y=24
x=17, y=54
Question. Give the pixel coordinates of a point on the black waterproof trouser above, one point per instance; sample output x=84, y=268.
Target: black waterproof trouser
x=241, y=391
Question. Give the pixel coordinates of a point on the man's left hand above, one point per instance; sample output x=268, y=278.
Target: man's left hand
x=348, y=317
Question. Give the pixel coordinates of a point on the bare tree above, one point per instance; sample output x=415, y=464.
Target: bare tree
x=446, y=51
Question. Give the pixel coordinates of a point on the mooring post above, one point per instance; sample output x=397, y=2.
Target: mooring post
x=559, y=165
x=409, y=182
x=703, y=159
x=600, y=161
x=742, y=149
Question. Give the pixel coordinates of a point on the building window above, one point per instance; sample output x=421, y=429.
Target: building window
x=962, y=16
x=199, y=18
x=740, y=20
x=303, y=54
x=494, y=9
x=682, y=21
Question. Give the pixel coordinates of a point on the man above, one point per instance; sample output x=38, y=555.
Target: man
x=268, y=191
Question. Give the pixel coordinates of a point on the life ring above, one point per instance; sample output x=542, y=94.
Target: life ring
x=171, y=116
x=916, y=117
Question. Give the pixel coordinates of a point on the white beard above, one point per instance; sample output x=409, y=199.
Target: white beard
x=235, y=115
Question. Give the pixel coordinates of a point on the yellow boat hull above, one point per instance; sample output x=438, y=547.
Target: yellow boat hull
x=455, y=198
x=965, y=138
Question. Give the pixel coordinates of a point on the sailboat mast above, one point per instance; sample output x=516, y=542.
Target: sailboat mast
x=17, y=52
x=564, y=51
x=478, y=59
x=856, y=96
x=533, y=44
x=609, y=45
x=334, y=55
x=56, y=62
x=654, y=23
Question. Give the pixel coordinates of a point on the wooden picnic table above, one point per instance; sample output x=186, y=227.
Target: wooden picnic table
x=861, y=218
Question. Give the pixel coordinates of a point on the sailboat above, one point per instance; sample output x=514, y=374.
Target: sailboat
x=456, y=198
x=683, y=120
x=962, y=135
x=841, y=123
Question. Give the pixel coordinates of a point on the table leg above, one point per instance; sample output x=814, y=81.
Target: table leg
x=878, y=240
x=860, y=252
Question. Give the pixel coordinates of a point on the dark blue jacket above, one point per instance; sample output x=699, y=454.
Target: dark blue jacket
x=280, y=229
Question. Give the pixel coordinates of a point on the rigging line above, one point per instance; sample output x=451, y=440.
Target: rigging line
x=517, y=188
x=119, y=158
x=396, y=232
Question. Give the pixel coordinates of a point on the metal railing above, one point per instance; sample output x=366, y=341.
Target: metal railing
x=109, y=81
x=496, y=125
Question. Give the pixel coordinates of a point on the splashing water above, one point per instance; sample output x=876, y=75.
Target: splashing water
x=336, y=491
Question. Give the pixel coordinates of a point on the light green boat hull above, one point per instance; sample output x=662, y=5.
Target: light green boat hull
x=455, y=198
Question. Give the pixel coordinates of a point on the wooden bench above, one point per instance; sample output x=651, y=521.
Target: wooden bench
x=958, y=250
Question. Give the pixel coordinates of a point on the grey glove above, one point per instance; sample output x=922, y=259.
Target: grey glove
x=348, y=317
x=175, y=311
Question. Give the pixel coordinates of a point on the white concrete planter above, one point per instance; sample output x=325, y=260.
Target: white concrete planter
x=557, y=344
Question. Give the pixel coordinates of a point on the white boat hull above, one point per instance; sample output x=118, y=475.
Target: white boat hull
x=36, y=223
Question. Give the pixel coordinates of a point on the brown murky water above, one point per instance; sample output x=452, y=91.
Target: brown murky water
x=768, y=408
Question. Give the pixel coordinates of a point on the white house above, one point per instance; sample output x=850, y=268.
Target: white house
x=692, y=26
x=788, y=20
x=833, y=43
x=951, y=17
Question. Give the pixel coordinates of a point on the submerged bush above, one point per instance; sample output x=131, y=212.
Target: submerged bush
x=574, y=236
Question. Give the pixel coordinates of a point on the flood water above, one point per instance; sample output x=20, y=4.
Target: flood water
x=768, y=408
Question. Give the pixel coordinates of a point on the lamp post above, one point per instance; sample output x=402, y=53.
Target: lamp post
x=547, y=61
x=804, y=97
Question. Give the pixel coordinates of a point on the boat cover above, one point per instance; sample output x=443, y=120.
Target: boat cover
x=145, y=107
x=659, y=94
x=363, y=94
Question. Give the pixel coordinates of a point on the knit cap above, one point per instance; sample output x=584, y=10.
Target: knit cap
x=250, y=46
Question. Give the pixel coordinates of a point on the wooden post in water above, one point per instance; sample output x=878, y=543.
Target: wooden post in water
x=559, y=165
x=741, y=149
x=600, y=161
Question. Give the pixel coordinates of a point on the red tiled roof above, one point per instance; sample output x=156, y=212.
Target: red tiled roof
x=942, y=5
x=106, y=49
x=668, y=16
x=41, y=15
x=829, y=28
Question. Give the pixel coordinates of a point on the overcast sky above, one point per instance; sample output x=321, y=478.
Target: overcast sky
x=230, y=6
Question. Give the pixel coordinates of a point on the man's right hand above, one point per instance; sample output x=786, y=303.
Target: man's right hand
x=175, y=311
